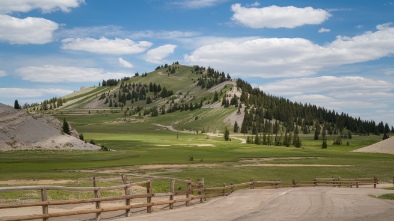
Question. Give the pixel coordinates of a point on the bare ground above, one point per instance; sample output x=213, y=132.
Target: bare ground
x=306, y=204
x=384, y=146
x=20, y=131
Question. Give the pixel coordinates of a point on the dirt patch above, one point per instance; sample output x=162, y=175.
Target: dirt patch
x=384, y=146
x=255, y=160
x=197, y=145
x=34, y=182
x=174, y=166
x=291, y=165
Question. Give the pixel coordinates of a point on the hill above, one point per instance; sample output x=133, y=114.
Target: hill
x=21, y=131
x=203, y=100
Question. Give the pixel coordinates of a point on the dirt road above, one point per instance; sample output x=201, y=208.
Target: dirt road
x=307, y=204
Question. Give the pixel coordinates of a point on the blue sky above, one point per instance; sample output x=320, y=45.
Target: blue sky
x=336, y=54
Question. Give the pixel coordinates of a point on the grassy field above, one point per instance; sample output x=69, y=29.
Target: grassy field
x=140, y=142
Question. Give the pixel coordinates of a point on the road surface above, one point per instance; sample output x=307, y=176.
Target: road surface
x=306, y=204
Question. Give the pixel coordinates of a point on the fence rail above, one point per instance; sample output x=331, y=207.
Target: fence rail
x=194, y=191
x=337, y=182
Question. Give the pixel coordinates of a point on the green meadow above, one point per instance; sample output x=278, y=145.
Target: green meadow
x=137, y=141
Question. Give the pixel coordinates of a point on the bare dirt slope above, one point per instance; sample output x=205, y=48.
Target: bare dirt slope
x=19, y=130
x=306, y=204
x=384, y=146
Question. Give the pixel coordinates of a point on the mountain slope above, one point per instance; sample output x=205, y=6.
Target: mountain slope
x=18, y=130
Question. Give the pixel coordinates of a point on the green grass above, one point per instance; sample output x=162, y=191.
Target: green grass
x=389, y=196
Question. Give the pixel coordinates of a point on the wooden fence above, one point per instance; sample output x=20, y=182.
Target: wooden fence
x=193, y=191
x=337, y=182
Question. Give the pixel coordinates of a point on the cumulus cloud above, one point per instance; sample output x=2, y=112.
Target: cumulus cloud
x=84, y=32
x=32, y=92
x=324, y=30
x=2, y=73
x=53, y=74
x=164, y=34
x=278, y=17
x=125, y=63
x=46, y=6
x=193, y=4
x=157, y=55
x=334, y=92
x=105, y=46
x=292, y=57
x=26, y=31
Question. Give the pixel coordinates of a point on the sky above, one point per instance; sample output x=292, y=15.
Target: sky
x=335, y=54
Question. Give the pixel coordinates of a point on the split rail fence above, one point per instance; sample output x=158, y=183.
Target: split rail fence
x=194, y=191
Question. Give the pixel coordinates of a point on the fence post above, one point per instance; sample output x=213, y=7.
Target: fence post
x=356, y=182
x=223, y=191
x=149, y=199
x=200, y=187
x=294, y=183
x=203, y=187
x=172, y=191
x=375, y=181
x=188, y=190
x=127, y=201
x=314, y=181
x=232, y=187
x=98, y=203
x=97, y=195
x=252, y=183
x=44, y=197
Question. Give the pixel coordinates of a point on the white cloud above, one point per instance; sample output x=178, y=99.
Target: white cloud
x=384, y=26
x=84, y=32
x=292, y=57
x=52, y=74
x=324, y=30
x=335, y=92
x=360, y=26
x=278, y=17
x=125, y=63
x=164, y=34
x=2, y=73
x=255, y=4
x=46, y=6
x=157, y=55
x=13, y=93
x=26, y=31
x=106, y=46
x=197, y=3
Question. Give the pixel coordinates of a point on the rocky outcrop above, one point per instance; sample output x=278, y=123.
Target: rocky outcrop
x=19, y=131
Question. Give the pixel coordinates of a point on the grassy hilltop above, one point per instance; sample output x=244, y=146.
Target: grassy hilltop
x=181, y=135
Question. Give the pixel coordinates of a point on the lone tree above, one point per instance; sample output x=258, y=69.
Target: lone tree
x=226, y=134
x=324, y=144
x=66, y=127
x=16, y=105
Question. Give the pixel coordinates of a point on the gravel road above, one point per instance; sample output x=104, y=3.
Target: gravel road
x=306, y=204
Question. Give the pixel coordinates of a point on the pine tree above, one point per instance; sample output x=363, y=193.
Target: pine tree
x=324, y=144
x=66, y=127
x=236, y=127
x=16, y=105
x=226, y=134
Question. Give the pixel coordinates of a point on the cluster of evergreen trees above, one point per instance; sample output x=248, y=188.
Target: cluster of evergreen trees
x=134, y=92
x=264, y=107
x=50, y=104
x=209, y=77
